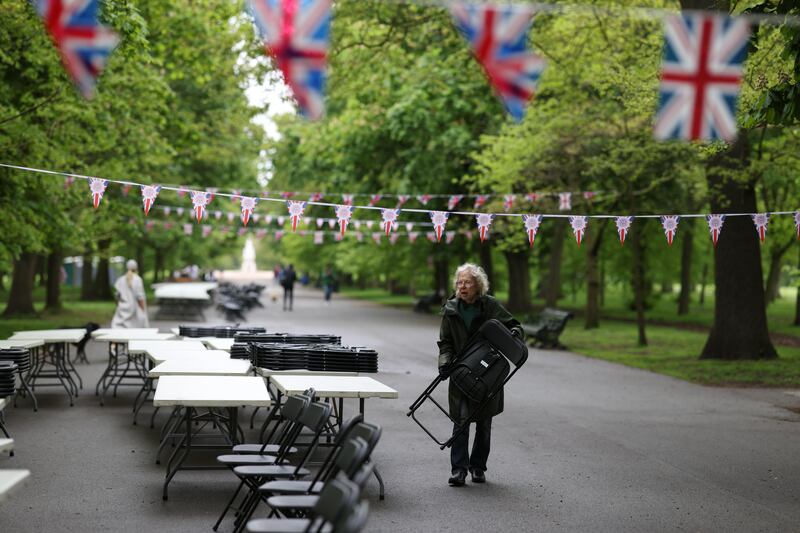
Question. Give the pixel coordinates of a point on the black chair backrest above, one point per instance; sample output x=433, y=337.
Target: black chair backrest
x=291, y=411
x=371, y=433
x=314, y=418
x=352, y=456
x=361, y=476
x=501, y=339
x=355, y=521
x=327, y=470
x=337, y=498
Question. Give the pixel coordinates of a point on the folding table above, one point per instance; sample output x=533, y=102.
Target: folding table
x=341, y=387
x=193, y=392
x=201, y=367
x=55, y=352
x=219, y=344
x=27, y=344
x=123, y=365
x=6, y=445
x=181, y=300
x=10, y=480
x=108, y=331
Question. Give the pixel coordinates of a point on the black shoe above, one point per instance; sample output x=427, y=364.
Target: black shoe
x=478, y=476
x=458, y=479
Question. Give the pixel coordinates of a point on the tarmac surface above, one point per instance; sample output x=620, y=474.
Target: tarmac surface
x=583, y=445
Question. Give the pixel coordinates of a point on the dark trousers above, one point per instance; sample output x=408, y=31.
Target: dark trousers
x=460, y=459
x=288, y=292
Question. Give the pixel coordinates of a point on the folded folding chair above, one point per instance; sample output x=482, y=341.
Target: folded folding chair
x=269, y=444
x=335, y=509
x=480, y=372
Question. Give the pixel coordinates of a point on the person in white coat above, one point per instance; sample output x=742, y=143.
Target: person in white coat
x=131, y=304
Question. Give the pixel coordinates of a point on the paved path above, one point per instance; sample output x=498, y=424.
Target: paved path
x=584, y=445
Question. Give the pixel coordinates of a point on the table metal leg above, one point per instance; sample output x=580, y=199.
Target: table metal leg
x=188, y=443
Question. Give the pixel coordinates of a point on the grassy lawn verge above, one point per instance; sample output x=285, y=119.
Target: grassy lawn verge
x=379, y=296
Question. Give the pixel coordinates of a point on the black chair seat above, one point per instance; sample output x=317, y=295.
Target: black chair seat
x=291, y=486
x=259, y=448
x=284, y=525
x=283, y=471
x=298, y=502
x=246, y=459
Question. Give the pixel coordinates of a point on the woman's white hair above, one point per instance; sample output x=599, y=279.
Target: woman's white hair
x=477, y=274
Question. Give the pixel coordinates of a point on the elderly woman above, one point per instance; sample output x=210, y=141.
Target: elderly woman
x=131, y=305
x=462, y=316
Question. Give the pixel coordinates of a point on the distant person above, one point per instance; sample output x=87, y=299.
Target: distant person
x=276, y=273
x=328, y=283
x=288, y=278
x=462, y=316
x=131, y=304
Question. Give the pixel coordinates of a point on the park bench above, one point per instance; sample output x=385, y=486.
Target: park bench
x=424, y=304
x=544, y=329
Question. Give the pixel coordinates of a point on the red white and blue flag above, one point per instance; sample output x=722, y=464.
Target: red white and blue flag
x=149, y=195
x=532, y=197
x=578, y=224
x=761, y=220
x=797, y=223
x=347, y=199
x=452, y=202
x=564, y=201
x=343, y=214
x=484, y=220
x=439, y=219
x=531, y=223
x=98, y=187
x=389, y=217
x=715, y=226
x=296, y=33
x=508, y=202
x=449, y=237
x=402, y=199
x=670, y=225
x=247, y=203
x=498, y=35
x=84, y=44
x=424, y=199
x=412, y=236
x=187, y=229
x=295, y=212
x=480, y=201
x=200, y=200
x=316, y=197
x=701, y=73
x=374, y=199
x=623, y=225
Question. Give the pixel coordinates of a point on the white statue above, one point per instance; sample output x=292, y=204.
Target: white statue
x=249, y=256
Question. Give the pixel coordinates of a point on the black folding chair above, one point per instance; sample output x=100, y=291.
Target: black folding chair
x=480, y=372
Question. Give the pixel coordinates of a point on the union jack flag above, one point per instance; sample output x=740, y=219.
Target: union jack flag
x=187, y=229
x=295, y=212
x=68, y=181
x=402, y=199
x=179, y=211
x=316, y=197
x=98, y=187
x=200, y=200
x=247, y=203
x=439, y=219
x=452, y=202
x=206, y=230
x=320, y=222
x=450, y=237
x=531, y=223
x=508, y=201
x=715, y=226
x=126, y=189
x=498, y=35
x=343, y=214
x=623, y=225
x=84, y=44
x=319, y=237
x=409, y=226
x=532, y=197
x=480, y=200
x=236, y=195
x=278, y=235
x=286, y=195
x=149, y=194
x=424, y=198
x=564, y=201
x=389, y=219
x=670, y=225
x=296, y=34
x=484, y=220
x=347, y=199
x=374, y=199
x=701, y=73
x=761, y=220
x=578, y=227
x=797, y=223
x=412, y=236
x=332, y=223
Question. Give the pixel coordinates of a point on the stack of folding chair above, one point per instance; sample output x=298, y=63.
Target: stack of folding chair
x=22, y=358
x=222, y=332
x=8, y=378
x=288, y=338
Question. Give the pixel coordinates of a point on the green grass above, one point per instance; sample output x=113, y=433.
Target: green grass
x=73, y=314
x=379, y=296
x=675, y=352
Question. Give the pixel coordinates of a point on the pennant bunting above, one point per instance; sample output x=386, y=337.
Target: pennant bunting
x=480, y=200
x=402, y=199
x=449, y=237
x=412, y=236
x=797, y=223
x=167, y=210
x=370, y=223
x=431, y=236
x=409, y=226
x=296, y=34
x=531, y=223
x=508, y=202
x=68, y=181
x=236, y=195
x=452, y=202
x=374, y=199
x=261, y=233
x=218, y=214
x=278, y=235
x=701, y=74
x=126, y=189
x=332, y=223
x=424, y=199
x=347, y=199
x=588, y=195
x=316, y=197
x=98, y=187
x=532, y=197
x=149, y=195
x=319, y=237
x=182, y=192
x=564, y=201
x=578, y=224
x=295, y=212
x=187, y=229
x=715, y=226
x=247, y=203
x=320, y=222
x=343, y=214
x=376, y=236
x=359, y=236
x=761, y=220
x=286, y=195
x=393, y=238
x=211, y=192
x=670, y=225
x=281, y=220
x=468, y=235
x=200, y=200
x=439, y=219
x=267, y=219
x=498, y=36
x=484, y=220
x=389, y=219
x=623, y=225
x=83, y=42
x=230, y=215
x=179, y=211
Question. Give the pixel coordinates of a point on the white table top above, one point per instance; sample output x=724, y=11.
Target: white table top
x=50, y=335
x=122, y=335
x=33, y=343
x=266, y=372
x=211, y=391
x=204, y=285
x=6, y=445
x=181, y=291
x=146, y=346
x=218, y=344
x=110, y=331
x=160, y=355
x=11, y=479
x=201, y=367
x=334, y=386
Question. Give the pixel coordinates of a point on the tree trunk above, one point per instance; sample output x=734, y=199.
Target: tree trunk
x=2, y=281
x=102, y=282
x=87, y=284
x=595, y=239
x=740, y=319
x=703, y=283
x=159, y=268
x=441, y=277
x=53, y=299
x=519, y=281
x=140, y=260
x=773, y=282
x=797, y=298
x=639, y=281
x=20, y=296
x=41, y=269
x=552, y=289
x=485, y=254
x=687, y=247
